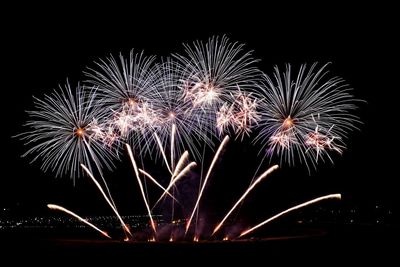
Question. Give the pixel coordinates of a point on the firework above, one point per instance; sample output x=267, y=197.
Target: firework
x=211, y=75
x=156, y=183
x=305, y=117
x=175, y=179
x=213, y=70
x=126, y=87
x=259, y=179
x=315, y=200
x=135, y=168
x=216, y=156
x=178, y=128
x=57, y=207
x=241, y=116
x=174, y=108
x=112, y=205
x=61, y=130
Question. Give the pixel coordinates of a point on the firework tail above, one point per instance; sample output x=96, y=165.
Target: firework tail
x=331, y=196
x=173, y=132
x=57, y=207
x=162, y=151
x=100, y=172
x=124, y=226
x=258, y=180
x=200, y=182
x=179, y=165
x=221, y=146
x=141, y=187
x=179, y=176
x=157, y=183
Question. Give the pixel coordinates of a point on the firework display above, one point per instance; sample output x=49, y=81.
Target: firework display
x=305, y=116
x=174, y=109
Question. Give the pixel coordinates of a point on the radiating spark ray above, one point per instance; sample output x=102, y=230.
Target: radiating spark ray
x=141, y=186
x=259, y=179
x=57, y=207
x=331, y=196
x=125, y=227
x=162, y=151
x=216, y=156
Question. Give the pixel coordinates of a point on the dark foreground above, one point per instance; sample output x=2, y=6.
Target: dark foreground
x=340, y=245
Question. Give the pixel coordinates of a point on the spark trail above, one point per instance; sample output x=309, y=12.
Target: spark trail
x=179, y=176
x=141, y=187
x=173, y=132
x=216, y=156
x=156, y=183
x=179, y=165
x=57, y=207
x=162, y=152
x=259, y=179
x=124, y=226
x=331, y=196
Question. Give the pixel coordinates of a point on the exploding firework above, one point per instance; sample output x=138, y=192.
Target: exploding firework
x=179, y=128
x=241, y=116
x=60, y=133
x=173, y=109
x=213, y=72
x=126, y=88
x=305, y=117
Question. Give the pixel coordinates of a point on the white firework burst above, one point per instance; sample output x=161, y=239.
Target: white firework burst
x=126, y=87
x=175, y=111
x=306, y=116
x=61, y=132
x=212, y=72
x=241, y=116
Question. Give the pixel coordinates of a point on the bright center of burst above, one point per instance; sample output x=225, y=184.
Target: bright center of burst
x=80, y=132
x=288, y=122
x=171, y=115
x=132, y=102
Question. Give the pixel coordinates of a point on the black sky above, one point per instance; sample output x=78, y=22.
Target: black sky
x=40, y=51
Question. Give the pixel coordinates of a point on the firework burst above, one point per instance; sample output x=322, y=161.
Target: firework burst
x=175, y=108
x=213, y=72
x=126, y=87
x=178, y=121
x=305, y=117
x=240, y=117
x=61, y=129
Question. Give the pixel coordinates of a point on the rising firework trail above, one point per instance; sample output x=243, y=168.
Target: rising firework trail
x=331, y=196
x=179, y=176
x=156, y=183
x=124, y=226
x=262, y=176
x=180, y=163
x=173, y=132
x=162, y=151
x=57, y=207
x=216, y=156
x=153, y=225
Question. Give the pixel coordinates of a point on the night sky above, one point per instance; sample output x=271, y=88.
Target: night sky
x=42, y=51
